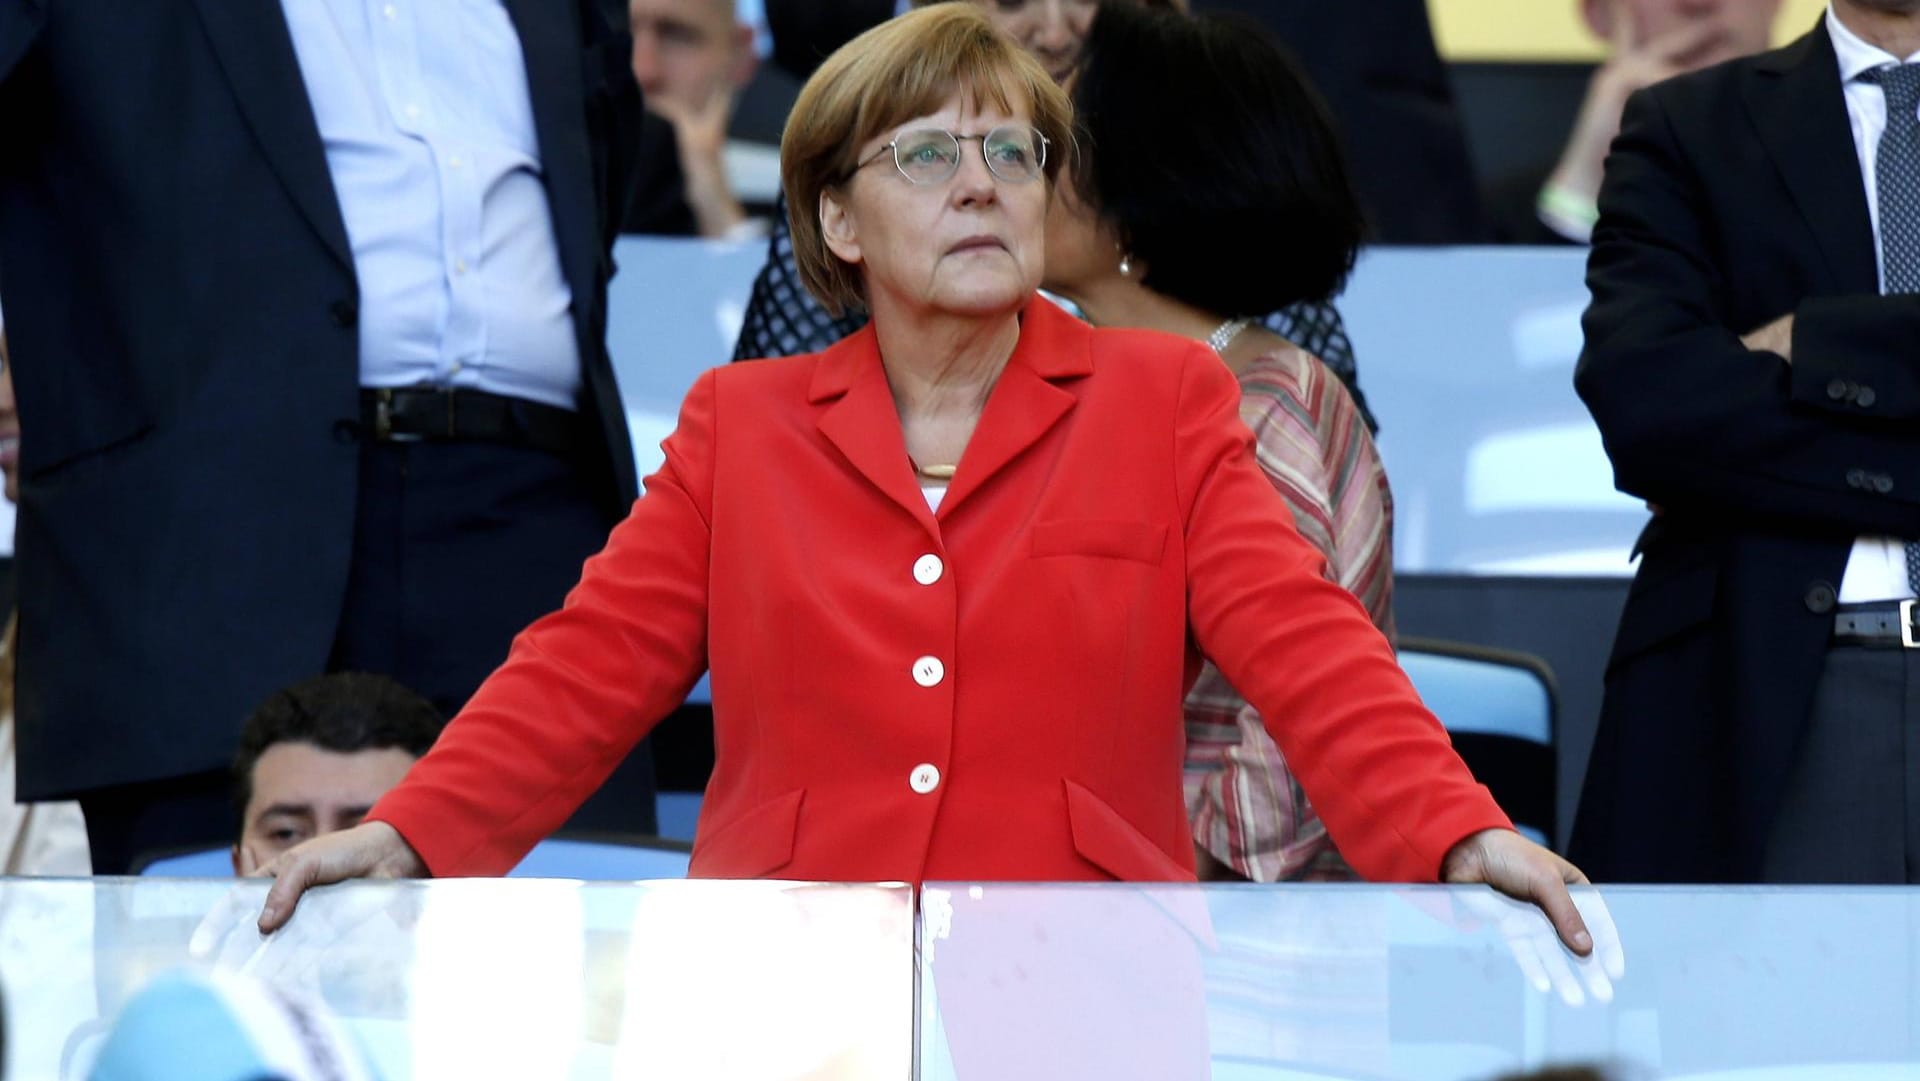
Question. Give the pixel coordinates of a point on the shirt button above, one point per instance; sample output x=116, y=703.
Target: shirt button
x=412, y=111
x=924, y=778
x=928, y=671
x=459, y=266
x=390, y=12
x=455, y=368
x=454, y=162
x=927, y=569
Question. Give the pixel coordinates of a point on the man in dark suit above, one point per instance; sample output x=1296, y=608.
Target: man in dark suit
x=1751, y=362
x=307, y=306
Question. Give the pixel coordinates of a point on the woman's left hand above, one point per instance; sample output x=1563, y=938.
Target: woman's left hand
x=1526, y=872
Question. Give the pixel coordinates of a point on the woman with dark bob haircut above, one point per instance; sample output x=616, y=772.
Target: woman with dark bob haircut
x=952, y=576
x=1245, y=210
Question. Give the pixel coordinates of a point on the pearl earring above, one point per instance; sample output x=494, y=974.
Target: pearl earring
x=1126, y=264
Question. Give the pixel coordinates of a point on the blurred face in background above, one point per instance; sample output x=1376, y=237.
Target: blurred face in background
x=686, y=51
x=1051, y=30
x=1709, y=31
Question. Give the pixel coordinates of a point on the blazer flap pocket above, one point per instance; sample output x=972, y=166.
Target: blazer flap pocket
x=1112, y=844
x=751, y=845
x=1142, y=541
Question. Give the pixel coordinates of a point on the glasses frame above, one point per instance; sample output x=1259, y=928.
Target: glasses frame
x=893, y=147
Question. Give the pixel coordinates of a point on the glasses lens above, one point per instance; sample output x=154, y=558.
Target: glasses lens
x=927, y=156
x=1015, y=152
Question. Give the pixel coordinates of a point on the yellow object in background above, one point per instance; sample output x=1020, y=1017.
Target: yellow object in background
x=1552, y=30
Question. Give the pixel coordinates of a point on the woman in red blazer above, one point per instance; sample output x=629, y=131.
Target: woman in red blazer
x=953, y=575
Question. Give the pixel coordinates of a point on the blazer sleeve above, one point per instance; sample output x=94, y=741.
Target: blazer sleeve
x=1375, y=763
x=581, y=686
x=1692, y=419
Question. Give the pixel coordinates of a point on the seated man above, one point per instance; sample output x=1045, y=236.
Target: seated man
x=315, y=756
x=691, y=58
x=1648, y=41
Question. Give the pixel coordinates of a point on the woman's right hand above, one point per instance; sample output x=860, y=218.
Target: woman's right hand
x=368, y=850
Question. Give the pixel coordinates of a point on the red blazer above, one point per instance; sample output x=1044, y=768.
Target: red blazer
x=989, y=692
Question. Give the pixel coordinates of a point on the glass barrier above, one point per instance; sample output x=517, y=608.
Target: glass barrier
x=768, y=981
x=491, y=978
x=1416, y=983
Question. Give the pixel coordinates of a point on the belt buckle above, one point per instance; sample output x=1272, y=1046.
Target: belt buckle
x=1907, y=636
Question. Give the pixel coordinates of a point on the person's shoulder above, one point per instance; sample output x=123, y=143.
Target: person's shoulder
x=1724, y=84
x=1291, y=387
x=1125, y=354
x=773, y=379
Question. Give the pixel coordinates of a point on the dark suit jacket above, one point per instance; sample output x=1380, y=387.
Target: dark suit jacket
x=181, y=300
x=1733, y=196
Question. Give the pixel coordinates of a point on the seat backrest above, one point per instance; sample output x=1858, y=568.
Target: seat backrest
x=593, y=861
x=1499, y=707
x=604, y=861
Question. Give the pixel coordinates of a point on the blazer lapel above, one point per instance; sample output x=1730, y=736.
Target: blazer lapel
x=551, y=43
x=1025, y=403
x=861, y=420
x=1796, y=101
x=256, y=53
x=864, y=424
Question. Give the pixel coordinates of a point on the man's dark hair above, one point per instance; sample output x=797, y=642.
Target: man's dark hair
x=1206, y=148
x=343, y=712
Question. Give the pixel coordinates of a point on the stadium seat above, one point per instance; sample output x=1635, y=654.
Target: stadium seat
x=592, y=860
x=1499, y=707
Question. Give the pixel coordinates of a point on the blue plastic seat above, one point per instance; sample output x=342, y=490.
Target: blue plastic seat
x=1499, y=706
x=593, y=861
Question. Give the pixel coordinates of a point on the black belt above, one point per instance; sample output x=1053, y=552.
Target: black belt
x=412, y=414
x=1883, y=623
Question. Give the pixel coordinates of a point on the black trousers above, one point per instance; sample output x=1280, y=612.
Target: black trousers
x=458, y=546
x=1851, y=809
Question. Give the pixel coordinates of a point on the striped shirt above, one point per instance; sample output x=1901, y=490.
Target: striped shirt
x=1248, y=810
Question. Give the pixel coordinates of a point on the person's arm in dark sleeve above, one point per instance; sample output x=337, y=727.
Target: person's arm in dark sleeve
x=1694, y=419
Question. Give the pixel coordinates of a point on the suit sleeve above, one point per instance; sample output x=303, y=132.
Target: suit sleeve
x=1692, y=419
x=1375, y=763
x=20, y=24
x=581, y=686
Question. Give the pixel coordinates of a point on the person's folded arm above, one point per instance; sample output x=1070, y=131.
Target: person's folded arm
x=1695, y=419
x=581, y=686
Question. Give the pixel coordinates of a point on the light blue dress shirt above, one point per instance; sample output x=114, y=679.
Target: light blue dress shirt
x=424, y=112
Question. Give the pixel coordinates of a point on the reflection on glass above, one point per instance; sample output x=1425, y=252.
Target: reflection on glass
x=1418, y=983
x=492, y=978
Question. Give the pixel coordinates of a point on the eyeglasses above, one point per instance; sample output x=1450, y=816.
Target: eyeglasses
x=1013, y=152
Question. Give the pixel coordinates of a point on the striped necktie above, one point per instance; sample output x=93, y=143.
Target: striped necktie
x=1896, y=177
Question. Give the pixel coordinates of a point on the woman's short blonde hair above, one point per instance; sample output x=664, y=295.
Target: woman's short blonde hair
x=906, y=67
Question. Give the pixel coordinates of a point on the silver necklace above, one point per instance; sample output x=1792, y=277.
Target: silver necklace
x=1224, y=334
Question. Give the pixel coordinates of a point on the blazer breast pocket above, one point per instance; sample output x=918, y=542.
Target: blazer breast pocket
x=1142, y=542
